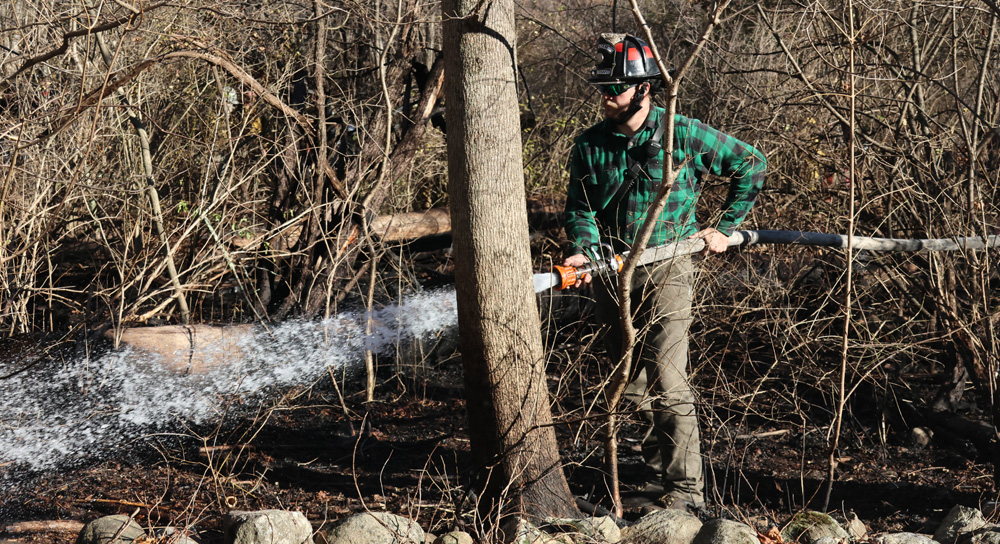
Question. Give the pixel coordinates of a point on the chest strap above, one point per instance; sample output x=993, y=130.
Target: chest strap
x=635, y=168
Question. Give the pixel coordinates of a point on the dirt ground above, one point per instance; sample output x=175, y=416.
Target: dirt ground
x=408, y=453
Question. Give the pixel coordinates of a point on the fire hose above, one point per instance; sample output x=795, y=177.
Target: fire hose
x=605, y=262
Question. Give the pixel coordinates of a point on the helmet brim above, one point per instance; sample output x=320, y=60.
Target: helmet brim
x=601, y=80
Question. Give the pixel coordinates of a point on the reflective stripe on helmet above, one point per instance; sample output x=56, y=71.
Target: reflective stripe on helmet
x=633, y=53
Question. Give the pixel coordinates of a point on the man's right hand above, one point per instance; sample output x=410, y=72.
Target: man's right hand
x=576, y=261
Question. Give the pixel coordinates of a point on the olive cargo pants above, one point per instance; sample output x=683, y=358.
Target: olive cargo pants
x=661, y=303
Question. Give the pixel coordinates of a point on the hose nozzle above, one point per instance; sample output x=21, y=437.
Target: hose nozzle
x=604, y=261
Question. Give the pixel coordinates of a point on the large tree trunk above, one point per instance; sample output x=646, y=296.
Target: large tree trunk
x=500, y=336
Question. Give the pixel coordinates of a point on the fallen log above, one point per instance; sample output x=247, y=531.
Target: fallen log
x=50, y=526
x=408, y=226
x=187, y=349
x=401, y=227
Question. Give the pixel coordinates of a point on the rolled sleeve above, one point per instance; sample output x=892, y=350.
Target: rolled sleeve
x=728, y=157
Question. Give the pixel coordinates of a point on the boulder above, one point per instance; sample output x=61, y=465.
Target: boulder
x=454, y=537
x=960, y=519
x=663, y=527
x=267, y=527
x=724, y=531
x=373, y=528
x=809, y=527
x=903, y=538
x=119, y=529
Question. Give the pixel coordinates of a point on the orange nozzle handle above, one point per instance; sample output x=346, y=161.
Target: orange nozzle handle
x=567, y=277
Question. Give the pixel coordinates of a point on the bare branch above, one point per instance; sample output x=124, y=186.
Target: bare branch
x=128, y=19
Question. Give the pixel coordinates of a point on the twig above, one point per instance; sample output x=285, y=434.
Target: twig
x=206, y=450
x=340, y=397
x=623, y=369
x=118, y=502
x=832, y=460
x=127, y=19
x=768, y=434
x=154, y=196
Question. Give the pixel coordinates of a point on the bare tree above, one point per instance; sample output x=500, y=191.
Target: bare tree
x=505, y=381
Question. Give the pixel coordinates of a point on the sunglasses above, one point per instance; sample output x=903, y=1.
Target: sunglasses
x=614, y=89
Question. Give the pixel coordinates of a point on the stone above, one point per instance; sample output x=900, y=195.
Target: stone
x=903, y=538
x=104, y=531
x=267, y=527
x=373, y=528
x=454, y=537
x=960, y=519
x=515, y=530
x=724, y=531
x=921, y=437
x=986, y=535
x=856, y=528
x=663, y=527
x=173, y=535
x=809, y=527
x=599, y=529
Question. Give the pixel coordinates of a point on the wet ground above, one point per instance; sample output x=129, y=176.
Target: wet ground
x=407, y=453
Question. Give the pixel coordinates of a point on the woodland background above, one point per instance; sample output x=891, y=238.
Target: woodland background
x=220, y=162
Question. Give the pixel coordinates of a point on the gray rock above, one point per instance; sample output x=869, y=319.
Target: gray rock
x=828, y=540
x=119, y=529
x=921, y=437
x=267, y=527
x=373, y=528
x=903, y=538
x=520, y=531
x=986, y=535
x=602, y=529
x=454, y=537
x=856, y=528
x=961, y=519
x=811, y=526
x=663, y=527
x=724, y=531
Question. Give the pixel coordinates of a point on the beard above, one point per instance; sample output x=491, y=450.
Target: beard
x=623, y=115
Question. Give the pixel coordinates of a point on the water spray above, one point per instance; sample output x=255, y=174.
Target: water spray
x=72, y=412
x=605, y=262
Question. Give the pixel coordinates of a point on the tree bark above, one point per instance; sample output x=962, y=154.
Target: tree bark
x=500, y=335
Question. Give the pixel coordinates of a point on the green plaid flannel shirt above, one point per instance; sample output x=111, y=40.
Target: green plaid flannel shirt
x=598, y=165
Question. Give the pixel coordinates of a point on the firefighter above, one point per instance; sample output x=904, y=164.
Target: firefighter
x=616, y=168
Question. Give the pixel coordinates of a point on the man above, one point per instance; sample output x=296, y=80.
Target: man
x=616, y=167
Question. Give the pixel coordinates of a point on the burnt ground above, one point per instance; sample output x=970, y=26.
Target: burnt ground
x=408, y=453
